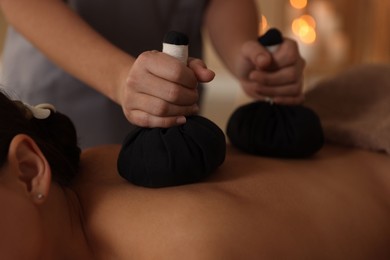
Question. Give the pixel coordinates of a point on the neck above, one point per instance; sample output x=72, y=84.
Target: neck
x=65, y=237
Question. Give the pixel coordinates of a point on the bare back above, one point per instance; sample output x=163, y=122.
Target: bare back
x=334, y=205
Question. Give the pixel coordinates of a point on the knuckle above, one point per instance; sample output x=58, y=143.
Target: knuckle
x=292, y=45
x=292, y=75
x=176, y=71
x=160, y=108
x=143, y=57
x=291, y=52
x=132, y=118
x=142, y=119
x=173, y=93
x=132, y=80
x=146, y=55
x=138, y=118
x=291, y=57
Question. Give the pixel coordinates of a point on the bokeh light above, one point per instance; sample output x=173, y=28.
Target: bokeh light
x=310, y=20
x=263, y=25
x=304, y=28
x=298, y=4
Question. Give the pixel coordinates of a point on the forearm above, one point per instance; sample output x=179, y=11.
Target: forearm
x=231, y=23
x=70, y=43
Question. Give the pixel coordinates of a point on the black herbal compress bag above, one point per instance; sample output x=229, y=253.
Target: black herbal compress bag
x=268, y=129
x=161, y=157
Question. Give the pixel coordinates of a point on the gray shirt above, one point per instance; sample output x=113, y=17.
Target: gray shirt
x=134, y=26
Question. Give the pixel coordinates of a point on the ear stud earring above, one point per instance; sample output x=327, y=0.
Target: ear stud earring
x=40, y=196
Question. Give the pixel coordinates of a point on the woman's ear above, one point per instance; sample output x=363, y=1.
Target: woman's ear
x=32, y=168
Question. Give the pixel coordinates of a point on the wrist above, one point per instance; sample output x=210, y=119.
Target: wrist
x=116, y=92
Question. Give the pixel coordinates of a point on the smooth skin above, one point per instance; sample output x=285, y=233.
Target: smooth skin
x=131, y=81
x=335, y=205
x=34, y=228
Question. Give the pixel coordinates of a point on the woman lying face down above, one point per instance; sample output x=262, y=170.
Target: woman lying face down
x=58, y=205
x=40, y=216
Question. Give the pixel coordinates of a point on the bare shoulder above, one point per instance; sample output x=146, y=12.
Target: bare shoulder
x=100, y=154
x=252, y=207
x=98, y=163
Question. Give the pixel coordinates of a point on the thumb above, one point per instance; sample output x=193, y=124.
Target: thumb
x=202, y=73
x=257, y=54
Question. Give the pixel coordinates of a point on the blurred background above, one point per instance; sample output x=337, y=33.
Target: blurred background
x=332, y=36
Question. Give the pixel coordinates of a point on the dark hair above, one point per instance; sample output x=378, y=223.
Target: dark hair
x=56, y=137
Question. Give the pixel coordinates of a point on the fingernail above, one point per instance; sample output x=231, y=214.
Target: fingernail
x=181, y=120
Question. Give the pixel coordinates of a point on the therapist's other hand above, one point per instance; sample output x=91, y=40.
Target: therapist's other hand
x=278, y=75
x=161, y=91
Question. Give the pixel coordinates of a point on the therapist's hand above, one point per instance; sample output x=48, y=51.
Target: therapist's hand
x=277, y=76
x=160, y=90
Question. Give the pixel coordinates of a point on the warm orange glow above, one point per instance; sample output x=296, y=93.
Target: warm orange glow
x=297, y=24
x=298, y=4
x=303, y=21
x=308, y=35
x=309, y=19
x=304, y=28
x=263, y=25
